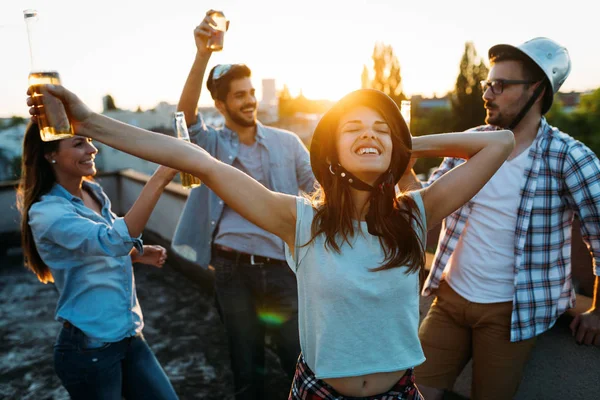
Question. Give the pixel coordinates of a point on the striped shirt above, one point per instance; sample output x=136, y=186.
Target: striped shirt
x=561, y=181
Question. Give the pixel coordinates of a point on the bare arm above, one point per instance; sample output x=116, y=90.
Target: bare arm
x=274, y=212
x=485, y=152
x=409, y=180
x=138, y=215
x=188, y=102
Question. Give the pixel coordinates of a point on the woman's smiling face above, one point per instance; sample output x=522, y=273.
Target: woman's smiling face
x=364, y=143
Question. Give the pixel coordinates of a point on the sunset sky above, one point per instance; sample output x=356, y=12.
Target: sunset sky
x=140, y=52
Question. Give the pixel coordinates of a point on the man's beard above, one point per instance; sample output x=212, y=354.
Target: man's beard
x=239, y=119
x=503, y=119
x=499, y=120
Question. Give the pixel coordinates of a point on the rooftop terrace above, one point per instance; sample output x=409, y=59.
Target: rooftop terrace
x=182, y=327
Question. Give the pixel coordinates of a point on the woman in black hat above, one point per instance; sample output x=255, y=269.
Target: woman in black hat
x=356, y=246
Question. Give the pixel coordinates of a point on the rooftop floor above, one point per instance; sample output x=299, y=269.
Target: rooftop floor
x=181, y=326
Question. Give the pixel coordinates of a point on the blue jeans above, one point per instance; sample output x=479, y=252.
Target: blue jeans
x=254, y=299
x=90, y=369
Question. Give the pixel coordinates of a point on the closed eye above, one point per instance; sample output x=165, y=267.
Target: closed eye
x=352, y=127
x=382, y=127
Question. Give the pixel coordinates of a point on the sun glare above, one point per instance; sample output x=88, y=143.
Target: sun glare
x=319, y=53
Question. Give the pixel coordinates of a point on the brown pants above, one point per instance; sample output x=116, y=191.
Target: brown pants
x=456, y=330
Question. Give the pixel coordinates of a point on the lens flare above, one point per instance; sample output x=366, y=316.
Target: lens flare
x=271, y=318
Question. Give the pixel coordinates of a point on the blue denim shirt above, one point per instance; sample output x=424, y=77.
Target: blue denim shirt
x=285, y=161
x=88, y=256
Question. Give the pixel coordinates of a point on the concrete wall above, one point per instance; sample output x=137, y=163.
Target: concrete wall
x=165, y=216
x=9, y=216
x=124, y=188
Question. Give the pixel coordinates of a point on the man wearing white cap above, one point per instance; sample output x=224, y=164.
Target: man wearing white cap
x=502, y=271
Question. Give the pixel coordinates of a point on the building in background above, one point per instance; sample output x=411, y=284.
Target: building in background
x=569, y=101
x=268, y=110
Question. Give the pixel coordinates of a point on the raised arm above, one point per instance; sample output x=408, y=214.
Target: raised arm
x=485, y=152
x=138, y=215
x=188, y=102
x=410, y=181
x=274, y=212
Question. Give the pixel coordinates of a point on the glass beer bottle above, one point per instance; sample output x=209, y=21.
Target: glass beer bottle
x=405, y=111
x=188, y=181
x=52, y=120
x=215, y=42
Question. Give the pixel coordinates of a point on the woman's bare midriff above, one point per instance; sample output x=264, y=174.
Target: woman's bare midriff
x=365, y=385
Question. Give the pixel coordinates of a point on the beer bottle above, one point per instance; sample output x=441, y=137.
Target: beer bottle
x=52, y=119
x=188, y=181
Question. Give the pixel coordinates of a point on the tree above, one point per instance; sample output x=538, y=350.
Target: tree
x=13, y=121
x=365, y=79
x=436, y=120
x=285, y=103
x=386, y=68
x=109, y=103
x=467, y=104
x=583, y=123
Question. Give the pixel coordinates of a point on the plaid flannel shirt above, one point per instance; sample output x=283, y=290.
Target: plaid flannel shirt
x=562, y=180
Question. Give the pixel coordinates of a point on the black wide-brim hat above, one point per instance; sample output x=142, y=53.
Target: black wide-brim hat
x=323, y=149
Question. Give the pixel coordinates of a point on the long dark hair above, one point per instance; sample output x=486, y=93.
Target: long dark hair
x=392, y=217
x=37, y=178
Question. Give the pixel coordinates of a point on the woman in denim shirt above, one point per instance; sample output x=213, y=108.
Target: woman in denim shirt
x=71, y=237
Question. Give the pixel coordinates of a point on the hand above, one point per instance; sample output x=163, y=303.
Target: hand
x=586, y=327
x=203, y=32
x=166, y=174
x=76, y=109
x=153, y=255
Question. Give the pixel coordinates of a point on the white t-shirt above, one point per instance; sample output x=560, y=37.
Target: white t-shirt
x=482, y=267
x=353, y=321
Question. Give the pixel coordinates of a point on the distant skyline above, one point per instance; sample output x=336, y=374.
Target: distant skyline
x=141, y=52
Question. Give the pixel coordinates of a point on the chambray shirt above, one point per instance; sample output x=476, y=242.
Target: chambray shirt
x=561, y=181
x=285, y=162
x=88, y=256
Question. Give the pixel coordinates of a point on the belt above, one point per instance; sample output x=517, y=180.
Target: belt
x=244, y=258
x=69, y=326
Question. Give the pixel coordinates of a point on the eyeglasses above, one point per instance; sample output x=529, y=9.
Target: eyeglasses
x=497, y=85
x=221, y=70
